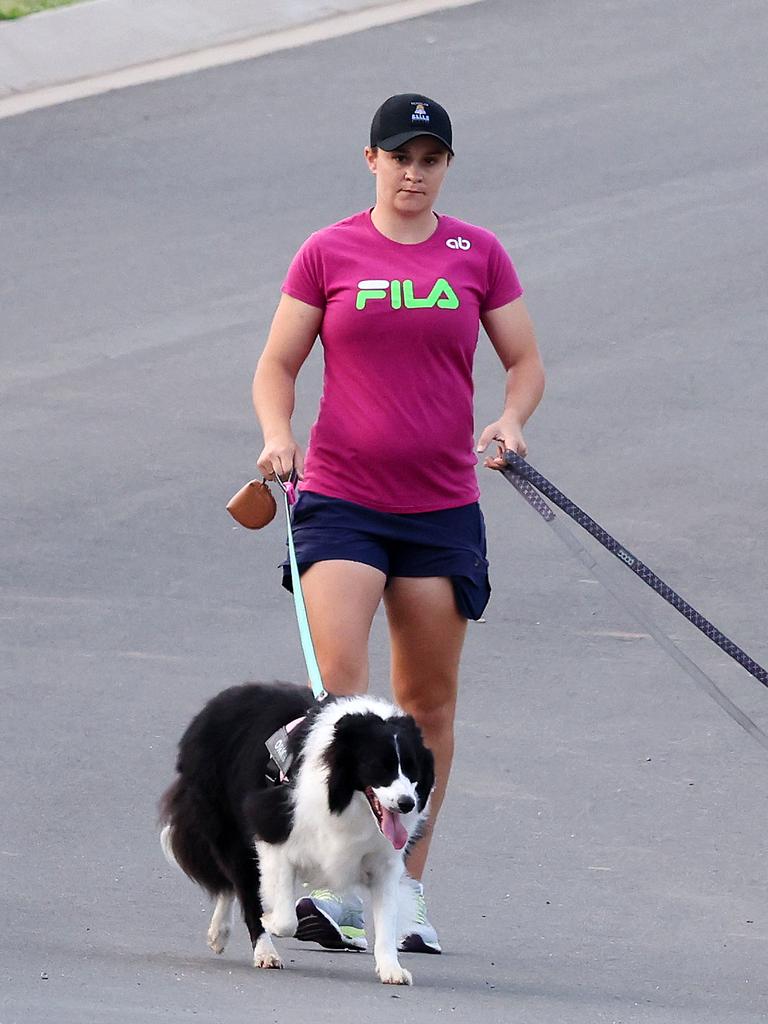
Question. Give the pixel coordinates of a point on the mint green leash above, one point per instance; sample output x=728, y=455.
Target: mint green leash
x=307, y=647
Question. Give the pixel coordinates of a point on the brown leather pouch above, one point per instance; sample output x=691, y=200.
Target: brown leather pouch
x=253, y=506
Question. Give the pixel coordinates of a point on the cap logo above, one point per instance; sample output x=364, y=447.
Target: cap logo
x=420, y=115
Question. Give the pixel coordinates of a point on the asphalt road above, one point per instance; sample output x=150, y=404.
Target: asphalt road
x=601, y=857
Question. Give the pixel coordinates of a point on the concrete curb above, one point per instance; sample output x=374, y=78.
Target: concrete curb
x=89, y=48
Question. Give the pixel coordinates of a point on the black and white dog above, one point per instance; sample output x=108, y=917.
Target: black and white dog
x=357, y=793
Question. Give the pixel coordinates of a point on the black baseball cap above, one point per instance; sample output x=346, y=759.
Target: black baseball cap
x=406, y=116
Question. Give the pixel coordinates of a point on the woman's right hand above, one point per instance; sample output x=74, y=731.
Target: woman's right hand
x=279, y=456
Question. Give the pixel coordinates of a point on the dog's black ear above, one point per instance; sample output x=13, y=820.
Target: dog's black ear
x=422, y=755
x=341, y=757
x=340, y=790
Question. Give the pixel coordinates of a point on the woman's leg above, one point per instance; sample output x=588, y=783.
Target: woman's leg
x=341, y=599
x=426, y=634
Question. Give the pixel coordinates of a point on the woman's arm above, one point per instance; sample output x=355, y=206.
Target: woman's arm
x=511, y=332
x=291, y=337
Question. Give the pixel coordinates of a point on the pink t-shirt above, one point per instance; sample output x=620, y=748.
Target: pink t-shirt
x=400, y=326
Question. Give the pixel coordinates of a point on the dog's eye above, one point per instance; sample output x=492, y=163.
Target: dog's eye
x=382, y=778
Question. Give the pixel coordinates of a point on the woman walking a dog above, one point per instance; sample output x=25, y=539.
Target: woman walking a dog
x=396, y=294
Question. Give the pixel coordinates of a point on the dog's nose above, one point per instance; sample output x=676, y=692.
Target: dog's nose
x=406, y=804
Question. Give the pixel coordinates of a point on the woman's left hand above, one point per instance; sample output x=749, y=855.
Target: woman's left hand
x=507, y=432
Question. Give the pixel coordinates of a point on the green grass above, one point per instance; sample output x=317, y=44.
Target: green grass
x=18, y=8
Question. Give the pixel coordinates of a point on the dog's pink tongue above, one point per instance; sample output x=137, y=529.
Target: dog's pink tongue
x=393, y=829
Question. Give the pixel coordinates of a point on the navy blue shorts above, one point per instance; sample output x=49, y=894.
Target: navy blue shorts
x=449, y=542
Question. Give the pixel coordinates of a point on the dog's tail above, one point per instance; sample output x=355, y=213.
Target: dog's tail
x=165, y=814
x=166, y=844
x=185, y=838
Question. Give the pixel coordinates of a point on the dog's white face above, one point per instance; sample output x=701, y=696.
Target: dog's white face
x=394, y=804
x=399, y=797
x=392, y=821
x=386, y=761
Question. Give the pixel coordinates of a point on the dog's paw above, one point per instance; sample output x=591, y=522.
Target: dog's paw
x=282, y=926
x=268, y=961
x=394, y=974
x=218, y=937
x=265, y=955
x=221, y=922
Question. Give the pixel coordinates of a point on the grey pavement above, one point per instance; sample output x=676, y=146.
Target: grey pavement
x=95, y=37
x=601, y=855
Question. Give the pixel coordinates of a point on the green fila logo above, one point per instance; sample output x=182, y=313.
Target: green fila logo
x=400, y=294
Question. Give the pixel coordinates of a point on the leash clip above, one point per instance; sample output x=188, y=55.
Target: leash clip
x=288, y=487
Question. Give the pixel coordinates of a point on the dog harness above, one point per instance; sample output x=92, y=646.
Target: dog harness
x=281, y=758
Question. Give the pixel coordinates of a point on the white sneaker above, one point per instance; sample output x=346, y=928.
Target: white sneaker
x=336, y=922
x=416, y=933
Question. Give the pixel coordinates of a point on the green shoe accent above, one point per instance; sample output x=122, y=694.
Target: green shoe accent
x=333, y=921
x=417, y=935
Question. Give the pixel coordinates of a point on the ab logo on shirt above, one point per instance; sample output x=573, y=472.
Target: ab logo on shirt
x=400, y=294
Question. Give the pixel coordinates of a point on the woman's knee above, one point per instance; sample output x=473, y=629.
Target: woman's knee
x=341, y=599
x=343, y=674
x=434, y=713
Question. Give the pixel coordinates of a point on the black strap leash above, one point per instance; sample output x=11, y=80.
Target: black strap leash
x=524, y=478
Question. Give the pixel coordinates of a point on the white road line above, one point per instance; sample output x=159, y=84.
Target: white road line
x=227, y=53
